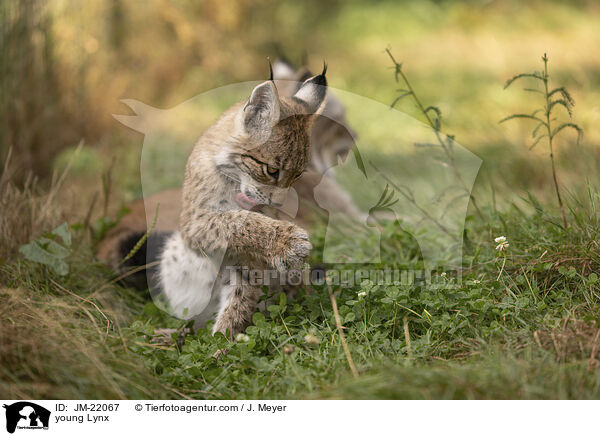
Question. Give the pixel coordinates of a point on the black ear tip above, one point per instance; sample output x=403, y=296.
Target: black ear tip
x=270, y=69
x=320, y=80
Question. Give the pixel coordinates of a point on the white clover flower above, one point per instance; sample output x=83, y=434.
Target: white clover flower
x=502, y=243
x=503, y=246
x=362, y=294
x=443, y=274
x=475, y=281
x=241, y=337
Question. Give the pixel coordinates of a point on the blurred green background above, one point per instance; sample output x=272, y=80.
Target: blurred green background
x=66, y=65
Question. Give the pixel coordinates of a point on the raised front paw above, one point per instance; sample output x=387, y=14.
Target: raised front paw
x=294, y=249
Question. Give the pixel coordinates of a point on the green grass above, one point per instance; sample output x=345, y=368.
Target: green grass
x=532, y=332
x=525, y=330
x=63, y=337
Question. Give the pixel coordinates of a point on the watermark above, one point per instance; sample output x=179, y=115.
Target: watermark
x=369, y=166
x=342, y=278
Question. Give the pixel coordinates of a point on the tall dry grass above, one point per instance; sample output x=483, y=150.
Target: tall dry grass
x=61, y=337
x=25, y=211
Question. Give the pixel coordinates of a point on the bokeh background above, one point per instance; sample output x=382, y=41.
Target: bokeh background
x=66, y=65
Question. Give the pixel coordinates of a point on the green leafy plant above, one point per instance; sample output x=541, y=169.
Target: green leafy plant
x=545, y=118
x=384, y=204
x=48, y=251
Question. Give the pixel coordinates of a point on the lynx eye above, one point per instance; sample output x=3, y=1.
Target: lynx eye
x=271, y=171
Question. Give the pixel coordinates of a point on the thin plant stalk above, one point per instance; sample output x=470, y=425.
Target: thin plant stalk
x=552, y=98
x=435, y=124
x=550, y=137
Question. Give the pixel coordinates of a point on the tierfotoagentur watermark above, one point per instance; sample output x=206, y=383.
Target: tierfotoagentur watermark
x=406, y=178
x=343, y=278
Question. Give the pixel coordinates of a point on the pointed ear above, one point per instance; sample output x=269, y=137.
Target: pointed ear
x=313, y=92
x=261, y=112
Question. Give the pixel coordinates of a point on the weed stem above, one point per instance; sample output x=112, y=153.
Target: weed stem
x=338, y=323
x=548, y=109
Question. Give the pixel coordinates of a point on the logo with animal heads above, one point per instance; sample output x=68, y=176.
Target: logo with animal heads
x=25, y=415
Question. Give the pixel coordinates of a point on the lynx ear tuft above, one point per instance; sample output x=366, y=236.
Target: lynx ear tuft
x=261, y=112
x=313, y=92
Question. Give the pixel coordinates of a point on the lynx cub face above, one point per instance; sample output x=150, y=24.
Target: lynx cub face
x=271, y=147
